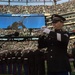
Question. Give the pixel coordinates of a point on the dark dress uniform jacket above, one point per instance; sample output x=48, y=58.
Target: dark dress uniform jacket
x=39, y=63
x=13, y=57
x=9, y=58
x=31, y=63
x=73, y=53
x=18, y=57
x=57, y=57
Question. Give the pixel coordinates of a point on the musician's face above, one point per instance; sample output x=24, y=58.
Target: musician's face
x=58, y=25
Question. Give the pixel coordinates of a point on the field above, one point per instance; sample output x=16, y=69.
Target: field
x=73, y=73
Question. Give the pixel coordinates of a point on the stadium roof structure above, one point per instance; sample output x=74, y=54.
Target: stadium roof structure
x=27, y=2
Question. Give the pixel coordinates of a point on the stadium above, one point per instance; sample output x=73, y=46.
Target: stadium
x=28, y=12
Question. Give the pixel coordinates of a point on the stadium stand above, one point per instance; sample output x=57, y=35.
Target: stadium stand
x=48, y=10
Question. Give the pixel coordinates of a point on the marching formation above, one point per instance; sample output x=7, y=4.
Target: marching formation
x=22, y=62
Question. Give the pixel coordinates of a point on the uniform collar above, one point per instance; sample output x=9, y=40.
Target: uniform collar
x=57, y=30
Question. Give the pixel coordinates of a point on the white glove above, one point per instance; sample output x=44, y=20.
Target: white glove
x=46, y=30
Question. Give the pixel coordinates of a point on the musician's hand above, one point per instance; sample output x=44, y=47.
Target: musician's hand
x=46, y=30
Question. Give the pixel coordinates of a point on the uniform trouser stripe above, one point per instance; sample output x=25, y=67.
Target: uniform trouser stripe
x=69, y=73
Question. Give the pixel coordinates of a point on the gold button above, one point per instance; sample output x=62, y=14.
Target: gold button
x=51, y=50
x=51, y=57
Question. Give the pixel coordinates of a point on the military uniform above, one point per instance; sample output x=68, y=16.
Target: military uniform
x=39, y=63
x=1, y=64
x=14, y=64
x=4, y=65
x=31, y=62
x=56, y=43
x=9, y=63
x=19, y=62
x=25, y=62
x=73, y=54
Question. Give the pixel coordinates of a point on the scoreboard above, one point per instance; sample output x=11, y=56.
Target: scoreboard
x=27, y=20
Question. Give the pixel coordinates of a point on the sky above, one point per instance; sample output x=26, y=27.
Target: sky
x=35, y=3
x=62, y=1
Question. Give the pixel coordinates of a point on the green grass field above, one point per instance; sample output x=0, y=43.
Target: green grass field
x=73, y=73
x=6, y=74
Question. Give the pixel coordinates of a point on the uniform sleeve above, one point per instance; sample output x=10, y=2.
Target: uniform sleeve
x=42, y=42
x=43, y=39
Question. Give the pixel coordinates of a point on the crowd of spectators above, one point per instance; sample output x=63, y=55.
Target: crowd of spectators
x=18, y=45
x=19, y=9
x=60, y=8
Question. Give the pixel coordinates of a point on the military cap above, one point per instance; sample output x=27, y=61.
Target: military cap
x=55, y=18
